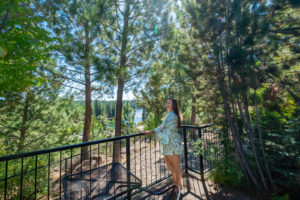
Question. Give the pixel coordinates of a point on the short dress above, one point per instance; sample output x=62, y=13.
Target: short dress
x=169, y=136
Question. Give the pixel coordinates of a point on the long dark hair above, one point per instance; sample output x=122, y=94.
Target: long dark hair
x=176, y=109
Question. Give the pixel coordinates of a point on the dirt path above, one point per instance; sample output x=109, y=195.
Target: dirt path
x=145, y=162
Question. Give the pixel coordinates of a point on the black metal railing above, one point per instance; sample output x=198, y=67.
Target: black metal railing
x=38, y=174
x=202, y=148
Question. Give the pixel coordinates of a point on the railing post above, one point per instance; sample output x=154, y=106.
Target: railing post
x=5, y=184
x=21, y=189
x=185, y=150
x=201, y=156
x=128, y=164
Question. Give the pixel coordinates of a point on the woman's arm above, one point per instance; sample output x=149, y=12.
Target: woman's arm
x=156, y=129
x=166, y=128
x=163, y=131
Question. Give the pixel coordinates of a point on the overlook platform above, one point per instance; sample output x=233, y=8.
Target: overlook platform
x=196, y=188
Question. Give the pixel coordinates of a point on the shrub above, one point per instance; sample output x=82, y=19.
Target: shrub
x=284, y=197
x=229, y=172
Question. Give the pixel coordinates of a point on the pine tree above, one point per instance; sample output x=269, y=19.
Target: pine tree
x=129, y=41
x=77, y=25
x=38, y=118
x=23, y=44
x=232, y=33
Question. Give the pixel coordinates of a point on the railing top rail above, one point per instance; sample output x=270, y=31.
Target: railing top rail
x=72, y=146
x=191, y=126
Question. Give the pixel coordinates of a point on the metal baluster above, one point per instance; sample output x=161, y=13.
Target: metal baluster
x=141, y=157
x=81, y=170
x=71, y=162
x=35, y=177
x=5, y=184
x=193, y=160
x=81, y=162
x=191, y=146
x=98, y=155
x=60, y=174
x=214, y=143
x=90, y=170
x=155, y=157
x=21, y=189
x=106, y=163
x=146, y=162
x=185, y=150
x=201, y=156
x=150, y=158
x=128, y=165
x=165, y=169
x=134, y=156
x=48, y=176
x=106, y=153
x=160, y=167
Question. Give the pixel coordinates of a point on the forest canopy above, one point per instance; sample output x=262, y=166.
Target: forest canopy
x=66, y=65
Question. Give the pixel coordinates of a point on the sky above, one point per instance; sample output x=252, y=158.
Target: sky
x=126, y=96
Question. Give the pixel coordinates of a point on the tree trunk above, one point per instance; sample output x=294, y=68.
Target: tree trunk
x=193, y=116
x=121, y=81
x=262, y=148
x=118, y=121
x=246, y=123
x=24, y=127
x=236, y=138
x=88, y=100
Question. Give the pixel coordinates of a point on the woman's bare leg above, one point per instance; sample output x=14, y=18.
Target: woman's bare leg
x=169, y=165
x=175, y=165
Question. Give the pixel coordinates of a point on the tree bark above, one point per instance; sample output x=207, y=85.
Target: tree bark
x=121, y=81
x=246, y=123
x=291, y=93
x=236, y=138
x=262, y=147
x=118, y=121
x=193, y=116
x=88, y=92
x=24, y=126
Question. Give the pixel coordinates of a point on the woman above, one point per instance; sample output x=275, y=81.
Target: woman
x=170, y=139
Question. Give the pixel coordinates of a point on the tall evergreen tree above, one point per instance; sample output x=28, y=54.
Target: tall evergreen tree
x=77, y=25
x=38, y=118
x=232, y=33
x=130, y=38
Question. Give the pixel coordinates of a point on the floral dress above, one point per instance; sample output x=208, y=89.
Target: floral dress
x=169, y=136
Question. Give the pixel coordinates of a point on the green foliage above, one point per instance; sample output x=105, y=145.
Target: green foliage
x=228, y=172
x=150, y=122
x=280, y=131
x=98, y=127
x=48, y=122
x=282, y=147
x=140, y=123
x=153, y=96
x=284, y=197
x=23, y=44
x=210, y=152
x=254, y=43
x=197, y=147
x=256, y=67
x=128, y=126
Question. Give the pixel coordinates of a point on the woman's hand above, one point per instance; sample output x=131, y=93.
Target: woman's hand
x=147, y=132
